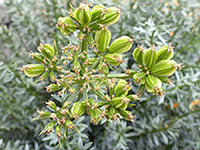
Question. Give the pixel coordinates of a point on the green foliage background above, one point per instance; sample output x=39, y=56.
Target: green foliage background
x=158, y=124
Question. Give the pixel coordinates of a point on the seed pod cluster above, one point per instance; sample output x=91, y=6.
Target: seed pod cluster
x=156, y=67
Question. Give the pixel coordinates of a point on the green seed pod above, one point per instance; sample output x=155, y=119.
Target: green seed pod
x=111, y=111
x=114, y=59
x=47, y=50
x=164, y=79
x=126, y=115
x=66, y=25
x=94, y=113
x=102, y=39
x=53, y=87
x=111, y=17
x=103, y=68
x=52, y=76
x=95, y=26
x=98, y=12
x=48, y=127
x=89, y=39
x=150, y=57
x=138, y=54
x=139, y=77
x=120, y=102
x=141, y=89
x=37, y=57
x=83, y=14
x=71, y=125
x=165, y=53
x=164, y=68
x=122, y=88
x=33, y=70
x=121, y=45
x=77, y=109
x=153, y=84
x=44, y=76
x=133, y=97
x=58, y=130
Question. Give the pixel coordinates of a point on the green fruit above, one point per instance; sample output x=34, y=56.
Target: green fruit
x=37, y=57
x=164, y=68
x=111, y=17
x=139, y=77
x=102, y=39
x=89, y=39
x=153, y=84
x=122, y=88
x=114, y=59
x=121, y=45
x=66, y=25
x=78, y=109
x=47, y=50
x=98, y=12
x=138, y=54
x=83, y=14
x=165, y=53
x=150, y=57
x=53, y=87
x=33, y=70
x=126, y=115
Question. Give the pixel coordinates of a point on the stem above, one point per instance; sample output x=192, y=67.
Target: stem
x=120, y=76
x=83, y=49
x=98, y=93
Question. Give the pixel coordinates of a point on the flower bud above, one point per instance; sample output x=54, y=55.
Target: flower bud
x=47, y=50
x=121, y=45
x=164, y=68
x=78, y=109
x=138, y=54
x=76, y=65
x=165, y=53
x=98, y=12
x=150, y=57
x=33, y=70
x=102, y=39
x=66, y=25
x=83, y=14
x=111, y=17
x=114, y=59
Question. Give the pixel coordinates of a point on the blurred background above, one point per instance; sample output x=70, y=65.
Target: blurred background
x=171, y=122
